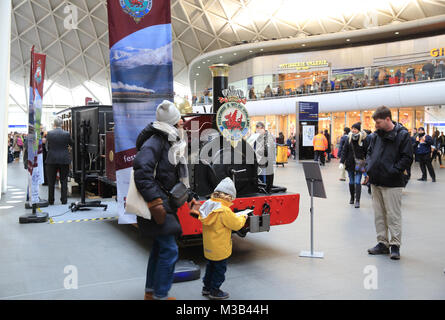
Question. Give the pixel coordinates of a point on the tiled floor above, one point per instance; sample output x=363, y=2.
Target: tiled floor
x=111, y=259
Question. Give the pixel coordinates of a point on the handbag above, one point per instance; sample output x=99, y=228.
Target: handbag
x=178, y=195
x=360, y=165
x=134, y=202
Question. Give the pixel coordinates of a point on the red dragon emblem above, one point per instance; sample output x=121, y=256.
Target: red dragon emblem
x=137, y=3
x=232, y=122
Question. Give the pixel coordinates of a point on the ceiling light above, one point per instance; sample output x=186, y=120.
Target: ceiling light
x=250, y=51
x=197, y=74
x=199, y=67
x=234, y=53
x=203, y=62
x=348, y=40
x=397, y=32
x=220, y=57
x=261, y=49
x=303, y=45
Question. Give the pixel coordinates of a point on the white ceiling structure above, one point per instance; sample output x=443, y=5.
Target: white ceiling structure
x=78, y=59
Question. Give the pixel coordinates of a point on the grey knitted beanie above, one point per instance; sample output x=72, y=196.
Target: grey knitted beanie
x=227, y=186
x=168, y=113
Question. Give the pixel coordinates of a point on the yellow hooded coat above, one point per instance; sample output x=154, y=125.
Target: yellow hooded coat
x=218, y=221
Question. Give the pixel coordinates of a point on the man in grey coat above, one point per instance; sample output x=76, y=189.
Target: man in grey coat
x=58, y=159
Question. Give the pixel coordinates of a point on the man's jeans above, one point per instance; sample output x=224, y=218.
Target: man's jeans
x=215, y=274
x=161, y=266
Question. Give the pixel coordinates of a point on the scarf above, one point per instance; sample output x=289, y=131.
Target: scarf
x=178, y=149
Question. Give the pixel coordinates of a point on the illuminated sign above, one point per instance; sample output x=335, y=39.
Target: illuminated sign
x=437, y=52
x=305, y=65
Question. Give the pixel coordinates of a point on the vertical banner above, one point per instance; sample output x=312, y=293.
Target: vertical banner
x=35, y=151
x=140, y=39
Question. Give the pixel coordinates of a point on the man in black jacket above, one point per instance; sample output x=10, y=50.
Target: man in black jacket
x=390, y=153
x=58, y=159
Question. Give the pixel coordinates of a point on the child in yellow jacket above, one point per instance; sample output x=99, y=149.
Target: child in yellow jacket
x=218, y=221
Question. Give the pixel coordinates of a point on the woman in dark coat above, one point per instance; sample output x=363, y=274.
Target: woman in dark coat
x=158, y=166
x=353, y=156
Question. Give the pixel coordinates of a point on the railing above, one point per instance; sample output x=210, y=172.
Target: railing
x=368, y=79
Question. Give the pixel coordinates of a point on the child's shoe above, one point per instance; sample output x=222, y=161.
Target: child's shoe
x=205, y=291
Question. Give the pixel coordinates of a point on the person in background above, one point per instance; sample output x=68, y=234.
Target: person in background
x=437, y=148
x=366, y=180
x=265, y=149
x=423, y=154
x=44, y=153
x=58, y=159
x=320, y=144
x=17, y=146
x=218, y=222
x=328, y=150
x=206, y=95
x=268, y=91
x=389, y=155
x=293, y=147
x=442, y=142
x=353, y=159
x=343, y=139
x=252, y=95
x=280, y=139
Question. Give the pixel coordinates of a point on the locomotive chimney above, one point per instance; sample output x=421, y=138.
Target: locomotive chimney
x=220, y=74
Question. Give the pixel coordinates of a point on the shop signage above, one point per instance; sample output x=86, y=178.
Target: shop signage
x=305, y=65
x=438, y=52
x=308, y=111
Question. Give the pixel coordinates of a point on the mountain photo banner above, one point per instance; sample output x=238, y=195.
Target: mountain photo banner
x=34, y=139
x=140, y=37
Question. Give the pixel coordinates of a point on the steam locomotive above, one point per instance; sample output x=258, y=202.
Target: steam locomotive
x=213, y=157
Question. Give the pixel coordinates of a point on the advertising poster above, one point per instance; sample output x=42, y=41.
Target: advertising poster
x=140, y=37
x=308, y=135
x=34, y=140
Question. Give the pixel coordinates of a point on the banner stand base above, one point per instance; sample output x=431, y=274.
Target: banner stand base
x=34, y=217
x=40, y=204
x=40, y=217
x=308, y=254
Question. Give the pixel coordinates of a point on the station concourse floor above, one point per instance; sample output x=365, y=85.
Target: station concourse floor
x=111, y=259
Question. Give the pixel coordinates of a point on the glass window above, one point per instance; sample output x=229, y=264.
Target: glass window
x=324, y=121
x=406, y=117
x=338, y=121
x=395, y=114
x=292, y=127
x=420, y=117
x=271, y=125
x=282, y=126
x=352, y=117
x=254, y=121
x=368, y=121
